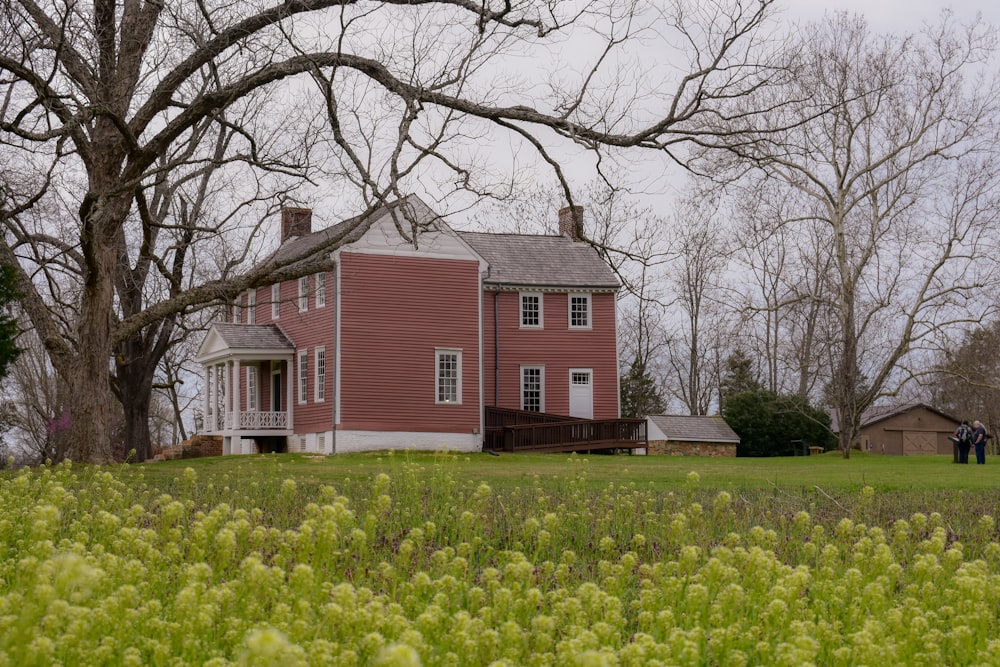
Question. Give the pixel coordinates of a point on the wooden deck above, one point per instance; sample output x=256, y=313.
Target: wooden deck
x=520, y=431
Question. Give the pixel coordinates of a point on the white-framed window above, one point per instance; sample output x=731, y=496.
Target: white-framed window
x=533, y=388
x=275, y=301
x=303, y=375
x=448, y=363
x=579, y=311
x=236, y=309
x=252, y=306
x=252, y=391
x=303, y=294
x=320, y=290
x=532, y=316
x=320, y=384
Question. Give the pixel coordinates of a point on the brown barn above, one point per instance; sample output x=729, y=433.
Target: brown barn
x=906, y=430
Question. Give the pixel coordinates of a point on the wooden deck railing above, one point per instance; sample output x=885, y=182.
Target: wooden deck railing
x=518, y=430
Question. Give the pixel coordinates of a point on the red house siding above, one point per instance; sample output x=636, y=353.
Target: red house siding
x=556, y=347
x=309, y=329
x=395, y=312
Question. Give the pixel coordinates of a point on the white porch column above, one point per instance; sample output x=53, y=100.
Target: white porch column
x=226, y=391
x=207, y=400
x=237, y=384
x=290, y=392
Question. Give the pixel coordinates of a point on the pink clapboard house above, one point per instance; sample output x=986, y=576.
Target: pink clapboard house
x=407, y=345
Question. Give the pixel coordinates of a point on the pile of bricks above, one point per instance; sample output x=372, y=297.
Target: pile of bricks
x=195, y=447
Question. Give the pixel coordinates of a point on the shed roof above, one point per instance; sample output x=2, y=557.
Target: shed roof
x=530, y=260
x=695, y=428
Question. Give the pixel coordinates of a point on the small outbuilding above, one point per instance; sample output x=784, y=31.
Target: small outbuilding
x=905, y=430
x=687, y=435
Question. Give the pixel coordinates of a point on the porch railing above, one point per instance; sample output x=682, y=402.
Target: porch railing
x=519, y=430
x=249, y=421
x=262, y=420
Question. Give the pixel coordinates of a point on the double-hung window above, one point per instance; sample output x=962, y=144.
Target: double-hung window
x=275, y=301
x=531, y=310
x=303, y=294
x=448, y=363
x=320, y=390
x=533, y=388
x=252, y=388
x=252, y=306
x=303, y=375
x=236, y=309
x=320, y=290
x=579, y=311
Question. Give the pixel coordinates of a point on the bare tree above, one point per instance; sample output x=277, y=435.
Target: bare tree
x=784, y=302
x=699, y=251
x=892, y=159
x=963, y=379
x=101, y=98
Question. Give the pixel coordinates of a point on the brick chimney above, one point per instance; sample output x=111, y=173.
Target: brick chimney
x=295, y=222
x=567, y=226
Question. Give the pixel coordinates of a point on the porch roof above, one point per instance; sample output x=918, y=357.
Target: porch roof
x=258, y=341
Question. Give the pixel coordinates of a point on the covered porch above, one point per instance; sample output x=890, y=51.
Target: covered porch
x=248, y=386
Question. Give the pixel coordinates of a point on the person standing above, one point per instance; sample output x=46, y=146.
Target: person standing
x=963, y=439
x=979, y=441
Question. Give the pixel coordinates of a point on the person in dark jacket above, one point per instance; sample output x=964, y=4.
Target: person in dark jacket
x=979, y=441
x=963, y=439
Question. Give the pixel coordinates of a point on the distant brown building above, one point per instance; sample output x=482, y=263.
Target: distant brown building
x=906, y=430
x=686, y=435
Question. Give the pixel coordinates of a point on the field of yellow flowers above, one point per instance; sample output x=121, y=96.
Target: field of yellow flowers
x=98, y=567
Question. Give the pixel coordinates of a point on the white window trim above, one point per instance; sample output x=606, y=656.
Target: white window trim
x=438, y=353
x=320, y=290
x=541, y=386
x=590, y=310
x=253, y=389
x=541, y=310
x=303, y=294
x=275, y=301
x=236, y=309
x=319, y=388
x=252, y=306
x=303, y=371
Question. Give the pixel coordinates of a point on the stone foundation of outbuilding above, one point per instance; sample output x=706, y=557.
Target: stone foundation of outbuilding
x=680, y=448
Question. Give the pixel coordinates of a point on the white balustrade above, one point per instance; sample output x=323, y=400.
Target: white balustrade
x=262, y=420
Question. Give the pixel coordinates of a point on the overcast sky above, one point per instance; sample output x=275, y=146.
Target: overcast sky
x=891, y=15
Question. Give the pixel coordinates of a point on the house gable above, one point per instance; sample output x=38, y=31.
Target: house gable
x=426, y=235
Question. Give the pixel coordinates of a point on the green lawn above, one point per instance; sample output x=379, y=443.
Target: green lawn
x=829, y=472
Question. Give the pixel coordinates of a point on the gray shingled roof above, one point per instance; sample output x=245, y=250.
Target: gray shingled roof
x=695, y=429
x=540, y=261
x=350, y=228
x=522, y=260
x=253, y=336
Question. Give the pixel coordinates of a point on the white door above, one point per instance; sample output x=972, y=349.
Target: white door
x=581, y=393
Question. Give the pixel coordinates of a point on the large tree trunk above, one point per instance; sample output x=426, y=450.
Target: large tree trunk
x=90, y=397
x=137, y=435
x=88, y=375
x=136, y=363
